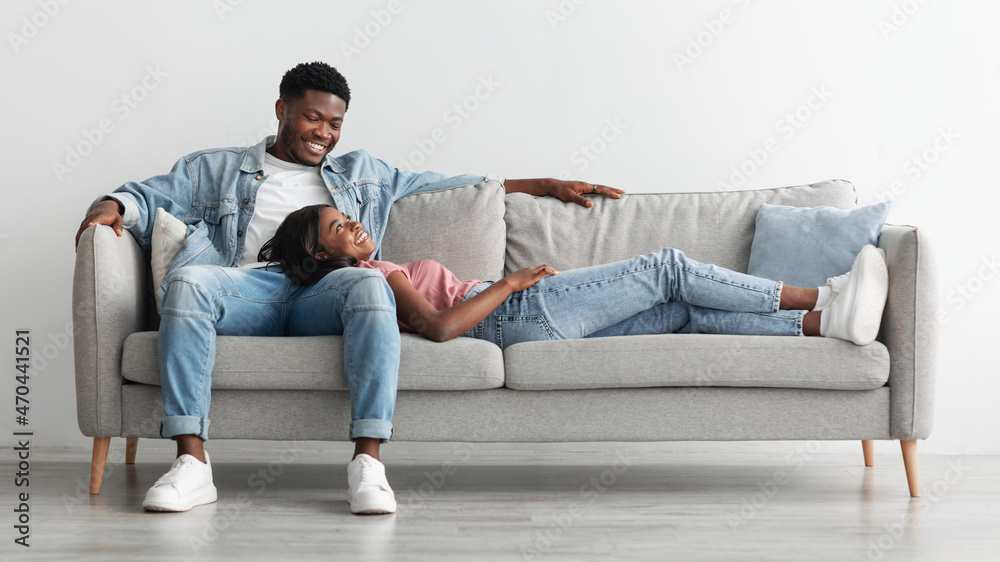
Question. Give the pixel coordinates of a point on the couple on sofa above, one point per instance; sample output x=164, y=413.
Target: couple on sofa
x=285, y=240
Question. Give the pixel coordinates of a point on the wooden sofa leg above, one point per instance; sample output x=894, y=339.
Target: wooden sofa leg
x=868, y=450
x=911, y=466
x=131, y=445
x=97, y=462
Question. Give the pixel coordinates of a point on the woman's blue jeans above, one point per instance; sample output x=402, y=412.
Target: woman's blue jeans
x=203, y=301
x=659, y=293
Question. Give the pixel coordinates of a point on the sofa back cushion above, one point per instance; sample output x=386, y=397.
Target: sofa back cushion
x=712, y=227
x=462, y=228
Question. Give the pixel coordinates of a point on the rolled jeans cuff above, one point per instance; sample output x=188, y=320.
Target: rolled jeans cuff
x=171, y=426
x=776, y=303
x=380, y=429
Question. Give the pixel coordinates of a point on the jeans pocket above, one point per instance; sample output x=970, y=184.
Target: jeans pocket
x=517, y=329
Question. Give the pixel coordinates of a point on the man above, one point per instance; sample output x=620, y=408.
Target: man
x=233, y=200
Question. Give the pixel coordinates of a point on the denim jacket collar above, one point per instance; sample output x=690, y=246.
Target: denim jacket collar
x=253, y=161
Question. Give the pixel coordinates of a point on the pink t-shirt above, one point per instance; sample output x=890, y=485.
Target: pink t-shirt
x=432, y=280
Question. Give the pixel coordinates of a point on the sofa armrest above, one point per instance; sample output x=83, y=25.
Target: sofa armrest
x=909, y=330
x=109, y=303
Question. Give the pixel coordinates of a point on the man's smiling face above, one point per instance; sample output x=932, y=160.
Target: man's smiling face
x=308, y=127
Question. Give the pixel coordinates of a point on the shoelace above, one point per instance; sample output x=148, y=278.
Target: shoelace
x=174, y=473
x=371, y=474
x=837, y=284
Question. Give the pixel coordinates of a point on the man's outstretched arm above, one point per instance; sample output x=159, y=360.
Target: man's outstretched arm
x=405, y=183
x=569, y=191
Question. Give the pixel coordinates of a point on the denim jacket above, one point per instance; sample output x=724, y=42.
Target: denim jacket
x=213, y=192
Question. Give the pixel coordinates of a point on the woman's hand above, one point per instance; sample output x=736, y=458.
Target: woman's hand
x=520, y=280
x=415, y=311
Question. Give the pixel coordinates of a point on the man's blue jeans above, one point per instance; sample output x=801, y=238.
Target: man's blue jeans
x=659, y=293
x=203, y=301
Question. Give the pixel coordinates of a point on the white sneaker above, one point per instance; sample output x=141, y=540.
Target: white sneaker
x=854, y=313
x=836, y=285
x=188, y=483
x=367, y=489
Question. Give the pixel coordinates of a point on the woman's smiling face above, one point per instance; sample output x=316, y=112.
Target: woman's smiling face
x=339, y=236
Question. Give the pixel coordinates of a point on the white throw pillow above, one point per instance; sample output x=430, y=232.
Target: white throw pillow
x=168, y=237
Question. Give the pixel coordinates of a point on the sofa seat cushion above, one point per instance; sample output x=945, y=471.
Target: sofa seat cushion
x=317, y=363
x=696, y=360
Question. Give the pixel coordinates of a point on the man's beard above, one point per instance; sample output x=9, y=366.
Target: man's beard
x=285, y=136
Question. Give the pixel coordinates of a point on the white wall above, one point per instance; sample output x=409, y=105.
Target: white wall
x=558, y=80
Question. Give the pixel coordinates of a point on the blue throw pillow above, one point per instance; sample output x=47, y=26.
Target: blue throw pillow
x=804, y=246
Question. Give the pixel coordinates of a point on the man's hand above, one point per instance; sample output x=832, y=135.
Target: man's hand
x=104, y=212
x=569, y=191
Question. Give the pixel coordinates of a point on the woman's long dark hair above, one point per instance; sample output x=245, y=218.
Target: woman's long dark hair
x=295, y=245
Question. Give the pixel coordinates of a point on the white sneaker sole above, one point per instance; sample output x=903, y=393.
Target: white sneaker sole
x=206, y=495
x=865, y=316
x=372, y=507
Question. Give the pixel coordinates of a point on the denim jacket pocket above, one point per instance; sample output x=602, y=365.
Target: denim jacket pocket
x=366, y=194
x=222, y=219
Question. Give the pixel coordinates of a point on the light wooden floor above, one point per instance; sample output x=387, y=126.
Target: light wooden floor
x=470, y=502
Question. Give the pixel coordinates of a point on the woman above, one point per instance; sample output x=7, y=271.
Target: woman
x=663, y=292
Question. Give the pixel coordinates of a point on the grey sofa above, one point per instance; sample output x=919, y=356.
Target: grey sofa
x=639, y=388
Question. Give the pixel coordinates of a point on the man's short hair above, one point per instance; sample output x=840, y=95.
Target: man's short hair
x=314, y=76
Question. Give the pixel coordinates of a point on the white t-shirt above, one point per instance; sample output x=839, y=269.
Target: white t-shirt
x=288, y=187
